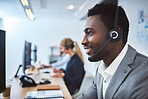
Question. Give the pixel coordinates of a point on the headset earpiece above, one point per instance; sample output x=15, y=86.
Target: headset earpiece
x=115, y=35
x=66, y=47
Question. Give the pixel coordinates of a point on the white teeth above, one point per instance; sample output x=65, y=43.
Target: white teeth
x=88, y=51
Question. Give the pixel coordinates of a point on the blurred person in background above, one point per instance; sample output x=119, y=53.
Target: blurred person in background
x=74, y=72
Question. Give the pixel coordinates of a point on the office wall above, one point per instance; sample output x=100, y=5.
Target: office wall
x=137, y=12
x=45, y=33
x=1, y=23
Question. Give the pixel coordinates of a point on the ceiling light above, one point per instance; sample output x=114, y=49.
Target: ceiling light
x=28, y=10
x=30, y=14
x=71, y=7
x=24, y=2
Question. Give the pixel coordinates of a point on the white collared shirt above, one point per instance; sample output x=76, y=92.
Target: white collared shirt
x=62, y=62
x=107, y=73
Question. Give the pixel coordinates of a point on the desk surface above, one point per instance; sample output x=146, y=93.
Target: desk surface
x=17, y=92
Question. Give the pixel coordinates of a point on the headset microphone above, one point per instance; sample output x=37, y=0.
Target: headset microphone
x=66, y=47
x=114, y=34
x=102, y=47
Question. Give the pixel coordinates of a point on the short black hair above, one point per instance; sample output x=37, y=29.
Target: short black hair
x=107, y=14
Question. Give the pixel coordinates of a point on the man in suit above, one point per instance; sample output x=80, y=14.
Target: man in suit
x=123, y=72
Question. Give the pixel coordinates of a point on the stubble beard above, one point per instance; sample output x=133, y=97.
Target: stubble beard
x=95, y=57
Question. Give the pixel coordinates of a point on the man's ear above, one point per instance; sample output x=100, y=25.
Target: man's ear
x=120, y=28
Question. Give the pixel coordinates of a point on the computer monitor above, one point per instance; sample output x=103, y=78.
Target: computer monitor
x=26, y=63
x=35, y=54
x=2, y=61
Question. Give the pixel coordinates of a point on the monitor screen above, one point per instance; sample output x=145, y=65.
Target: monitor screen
x=26, y=56
x=2, y=61
x=35, y=53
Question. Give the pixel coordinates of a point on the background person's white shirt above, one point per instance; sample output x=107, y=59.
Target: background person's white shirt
x=62, y=62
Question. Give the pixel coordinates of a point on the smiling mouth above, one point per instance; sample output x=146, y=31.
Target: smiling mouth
x=88, y=51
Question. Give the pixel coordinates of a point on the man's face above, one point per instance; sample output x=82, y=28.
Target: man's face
x=96, y=34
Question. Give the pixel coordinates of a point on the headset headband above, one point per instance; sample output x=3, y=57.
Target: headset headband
x=116, y=16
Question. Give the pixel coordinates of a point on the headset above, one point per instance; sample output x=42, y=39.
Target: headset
x=66, y=47
x=114, y=35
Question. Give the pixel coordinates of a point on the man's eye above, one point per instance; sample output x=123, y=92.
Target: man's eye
x=90, y=33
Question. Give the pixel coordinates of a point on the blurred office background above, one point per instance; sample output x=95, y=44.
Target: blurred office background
x=54, y=21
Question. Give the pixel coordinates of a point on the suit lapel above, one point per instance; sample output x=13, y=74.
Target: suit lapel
x=99, y=86
x=121, y=73
x=117, y=80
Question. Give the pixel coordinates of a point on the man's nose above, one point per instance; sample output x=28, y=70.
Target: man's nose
x=84, y=41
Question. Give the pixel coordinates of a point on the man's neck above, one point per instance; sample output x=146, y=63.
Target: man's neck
x=113, y=54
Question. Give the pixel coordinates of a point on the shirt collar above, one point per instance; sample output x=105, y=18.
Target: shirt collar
x=115, y=64
x=104, y=71
x=101, y=69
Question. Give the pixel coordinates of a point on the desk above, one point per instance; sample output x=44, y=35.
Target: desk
x=17, y=92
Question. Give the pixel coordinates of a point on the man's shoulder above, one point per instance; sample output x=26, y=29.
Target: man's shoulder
x=142, y=57
x=137, y=56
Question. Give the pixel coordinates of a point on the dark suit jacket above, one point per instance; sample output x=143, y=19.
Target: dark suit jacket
x=130, y=80
x=74, y=74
